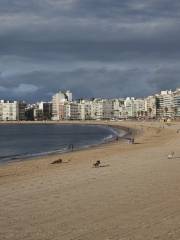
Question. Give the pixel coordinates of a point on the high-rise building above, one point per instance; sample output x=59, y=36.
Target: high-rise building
x=108, y=106
x=165, y=104
x=58, y=101
x=22, y=109
x=177, y=103
x=129, y=107
x=46, y=109
x=150, y=106
x=139, y=108
x=12, y=110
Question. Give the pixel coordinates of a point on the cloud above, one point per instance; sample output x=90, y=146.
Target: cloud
x=2, y=89
x=95, y=48
x=19, y=92
x=24, y=89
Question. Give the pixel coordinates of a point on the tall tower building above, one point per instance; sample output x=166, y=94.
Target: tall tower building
x=58, y=101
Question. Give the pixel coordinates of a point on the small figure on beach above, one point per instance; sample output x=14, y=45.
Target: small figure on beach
x=171, y=155
x=71, y=147
x=97, y=164
x=57, y=161
x=131, y=141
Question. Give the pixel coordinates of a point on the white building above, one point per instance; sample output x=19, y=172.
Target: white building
x=165, y=104
x=92, y=109
x=129, y=107
x=68, y=95
x=150, y=106
x=73, y=111
x=97, y=109
x=177, y=103
x=118, y=108
x=9, y=110
x=139, y=108
x=86, y=108
x=58, y=101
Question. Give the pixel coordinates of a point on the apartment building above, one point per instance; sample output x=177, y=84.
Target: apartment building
x=177, y=103
x=118, y=109
x=91, y=109
x=22, y=111
x=97, y=109
x=73, y=111
x=108, y=108
x=12, y=110
x=165, y=104
x=139, y=108
x=150, y=106
x=45, y=108
x=58, y=101
x=129, y=107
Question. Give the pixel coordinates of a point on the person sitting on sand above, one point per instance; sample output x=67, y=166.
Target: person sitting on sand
x=57, y=161
x=97, y=163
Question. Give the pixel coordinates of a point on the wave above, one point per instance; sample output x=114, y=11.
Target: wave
x=108, y=138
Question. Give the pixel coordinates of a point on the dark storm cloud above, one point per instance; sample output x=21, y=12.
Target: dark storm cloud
x=93, y=47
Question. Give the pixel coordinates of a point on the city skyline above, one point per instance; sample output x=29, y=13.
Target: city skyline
x=165, y=104
x=95, y=48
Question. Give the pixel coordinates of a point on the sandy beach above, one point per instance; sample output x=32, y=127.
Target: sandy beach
x=136, y=195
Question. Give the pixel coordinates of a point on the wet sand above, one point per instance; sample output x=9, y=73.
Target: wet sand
x=136, y=195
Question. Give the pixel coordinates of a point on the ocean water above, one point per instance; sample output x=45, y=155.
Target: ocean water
x=30, y=140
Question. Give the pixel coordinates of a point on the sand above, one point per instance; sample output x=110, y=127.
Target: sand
x=136, y=196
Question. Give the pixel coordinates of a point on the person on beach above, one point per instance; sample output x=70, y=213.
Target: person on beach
x=131, y=141
x=71, y=147
x=97, y=164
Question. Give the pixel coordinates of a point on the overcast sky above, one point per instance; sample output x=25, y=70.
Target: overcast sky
x=95, y=48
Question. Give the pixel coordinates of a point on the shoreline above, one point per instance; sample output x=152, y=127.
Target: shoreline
x=131, y=129
x=119, y=132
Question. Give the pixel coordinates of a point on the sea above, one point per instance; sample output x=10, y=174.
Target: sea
x=23, y=141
